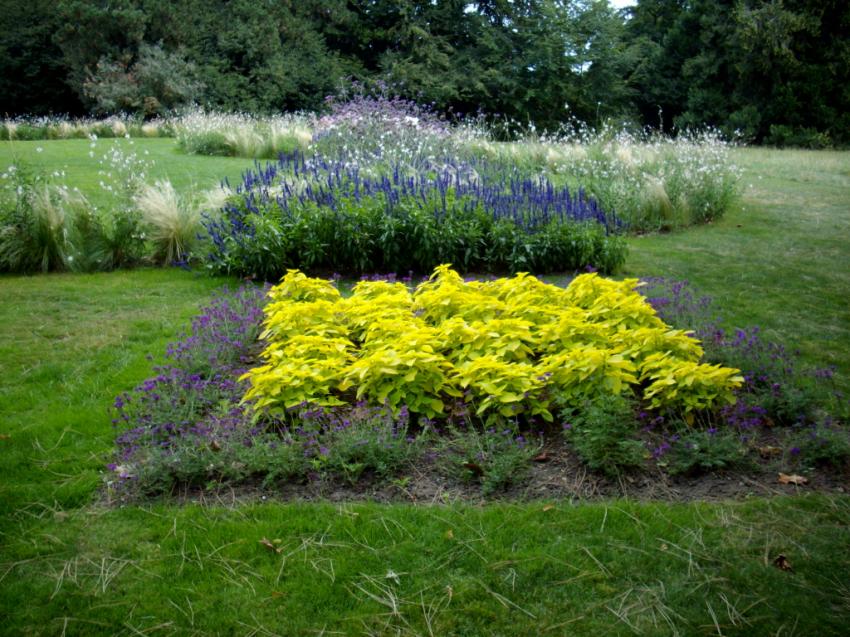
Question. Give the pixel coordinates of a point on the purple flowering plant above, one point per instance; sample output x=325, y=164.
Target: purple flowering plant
x=369, y=128
x=348, y=442
x=188, y=426
x=193, y=400
x=777, y=391
x=334, y=215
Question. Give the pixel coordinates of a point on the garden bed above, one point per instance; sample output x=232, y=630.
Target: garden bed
x=476, y=403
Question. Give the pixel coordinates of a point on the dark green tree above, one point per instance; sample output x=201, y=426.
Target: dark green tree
x=95, y=30
x=32, y=70
x=156, y=83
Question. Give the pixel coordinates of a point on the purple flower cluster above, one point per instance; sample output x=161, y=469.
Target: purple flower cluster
x=360, y=115
x=176, y=405
x=774, y=390
x=324, y=213
x=195, y=399
x=224, y=334
x=296, y=180
x=676, y=303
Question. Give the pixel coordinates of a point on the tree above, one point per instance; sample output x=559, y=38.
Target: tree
x=32, y=71
x=92, y=31
x=157, y=82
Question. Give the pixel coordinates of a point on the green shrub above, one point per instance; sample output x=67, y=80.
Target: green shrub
x=705, y=450
x=496, y=459
x=783, y=136
x=157, y=82
x=602, y=432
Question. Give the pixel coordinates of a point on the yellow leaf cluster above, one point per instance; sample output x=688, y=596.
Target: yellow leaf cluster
x=508, y=346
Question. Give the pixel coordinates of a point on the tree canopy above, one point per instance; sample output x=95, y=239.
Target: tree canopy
x=770, y=70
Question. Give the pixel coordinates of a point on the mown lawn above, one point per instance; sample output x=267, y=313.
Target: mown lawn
x=780, y=261
x=69, y=565
x=187, y=172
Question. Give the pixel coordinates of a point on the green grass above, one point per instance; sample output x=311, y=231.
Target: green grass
x=615, y=569
x=68, y=565
x=780, y=260
x=187, y=172
x=68, y=343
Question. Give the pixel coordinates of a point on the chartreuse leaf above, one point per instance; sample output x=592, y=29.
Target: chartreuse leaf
x=508, y=344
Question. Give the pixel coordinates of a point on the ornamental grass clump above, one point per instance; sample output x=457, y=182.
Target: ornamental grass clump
x=653, y=182
x=49, y=227
x=173, y=222
x=240, y=134
x=58, y=127
x=454, y=340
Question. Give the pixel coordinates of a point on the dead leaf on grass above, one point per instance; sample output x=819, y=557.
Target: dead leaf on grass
x=549, y=507
x=769, y=452
x=781, y=562
x=793, y=478
x=450, y=535
x=543, y=456
x=476, y=469
x=5, y=437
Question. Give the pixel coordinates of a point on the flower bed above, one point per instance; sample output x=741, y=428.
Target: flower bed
x=321, y=214
x=466, y=380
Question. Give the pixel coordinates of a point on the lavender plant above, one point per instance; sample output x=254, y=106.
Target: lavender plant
x=353, y=441
x=193, y=401
x=776, y=390
x=495, y=457
x=224, y=336
x=824, y=443
x=698, y=450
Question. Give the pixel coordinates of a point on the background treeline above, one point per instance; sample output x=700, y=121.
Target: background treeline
x=776, y=71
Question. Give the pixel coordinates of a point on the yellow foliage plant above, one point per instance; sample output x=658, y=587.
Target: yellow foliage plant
x=509, y=345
